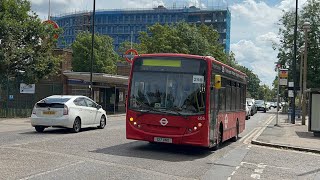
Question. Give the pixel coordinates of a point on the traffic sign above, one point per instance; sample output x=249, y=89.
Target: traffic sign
x=129, y=53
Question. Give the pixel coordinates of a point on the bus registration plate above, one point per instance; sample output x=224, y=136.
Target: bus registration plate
x=164, y=140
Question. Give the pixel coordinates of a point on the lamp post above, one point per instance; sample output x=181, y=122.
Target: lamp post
x=92, y=44
x=301, y=72
x=293, y=106
x=306, y=28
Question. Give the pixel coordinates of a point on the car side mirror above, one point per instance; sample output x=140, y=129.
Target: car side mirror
x=99, y=106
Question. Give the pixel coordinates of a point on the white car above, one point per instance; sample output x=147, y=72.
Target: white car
x=248, y=111
x=74, y=112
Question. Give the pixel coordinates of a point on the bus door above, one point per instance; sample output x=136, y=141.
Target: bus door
x=214, y=110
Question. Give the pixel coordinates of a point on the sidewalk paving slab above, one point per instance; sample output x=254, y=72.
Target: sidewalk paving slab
x=288, y=136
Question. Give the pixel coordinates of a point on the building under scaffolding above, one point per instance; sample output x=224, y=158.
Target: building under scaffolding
x=121, y=25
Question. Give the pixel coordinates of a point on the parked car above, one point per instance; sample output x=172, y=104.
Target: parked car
x=268, y=106
x=248, y=111
x=251, y=104
x=261, y=105
x=74, y=112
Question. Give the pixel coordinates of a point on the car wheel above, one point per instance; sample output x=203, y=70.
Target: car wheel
x=39, y=128
x=76, y=125
x=102, y=122
x=264, y=110
x=247, y=117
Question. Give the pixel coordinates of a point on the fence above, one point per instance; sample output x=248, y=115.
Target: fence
x=16, y=104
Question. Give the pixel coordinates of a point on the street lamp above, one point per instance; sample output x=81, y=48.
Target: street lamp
x=306, y=28
x=301, y=72
x=92, y=43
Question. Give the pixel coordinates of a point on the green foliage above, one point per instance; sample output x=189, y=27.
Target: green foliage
x=265, y=93
x=183, y=38
x=124, y=46
x=26, y=43
x=192, y=39
x=311, y=13
x=105, y=57
x=253, y=82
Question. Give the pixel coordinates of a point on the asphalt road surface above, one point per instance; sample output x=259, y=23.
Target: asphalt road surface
x=106, y=154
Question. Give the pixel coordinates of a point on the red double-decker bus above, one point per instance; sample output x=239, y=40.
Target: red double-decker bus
x=184, y=99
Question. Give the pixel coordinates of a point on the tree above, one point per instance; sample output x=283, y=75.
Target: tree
x=183, y=38
x=105, y=57
x=26, y=43
x=124, y=46
x=311, y=13
x=253, y=82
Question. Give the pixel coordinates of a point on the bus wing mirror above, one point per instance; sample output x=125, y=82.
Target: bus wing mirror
x=217, y=81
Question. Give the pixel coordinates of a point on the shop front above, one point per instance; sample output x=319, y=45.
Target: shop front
x=108, y=90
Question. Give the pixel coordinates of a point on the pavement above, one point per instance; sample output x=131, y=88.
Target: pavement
x=288, y=136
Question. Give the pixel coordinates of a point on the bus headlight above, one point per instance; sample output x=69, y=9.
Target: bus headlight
x=195, y=128
x=131, y=119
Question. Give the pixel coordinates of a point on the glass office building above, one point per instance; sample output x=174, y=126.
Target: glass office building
x=121, y=25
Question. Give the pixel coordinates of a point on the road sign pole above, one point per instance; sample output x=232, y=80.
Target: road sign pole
x=278, y=91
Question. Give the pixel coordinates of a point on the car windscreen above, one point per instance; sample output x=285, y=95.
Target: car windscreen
x=259, y=102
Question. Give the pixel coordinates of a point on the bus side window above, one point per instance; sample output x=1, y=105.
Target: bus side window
x=222, y=94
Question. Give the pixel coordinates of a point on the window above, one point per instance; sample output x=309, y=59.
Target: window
x=90, y=103
x=228, y=96
x=79, y=102
x=234, y=96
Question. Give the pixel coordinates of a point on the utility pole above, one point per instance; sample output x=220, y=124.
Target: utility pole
x=306, y=27
x=92, y=47
x=49, y=13
x=300, y=81
x=278, y=92
x=293, y=106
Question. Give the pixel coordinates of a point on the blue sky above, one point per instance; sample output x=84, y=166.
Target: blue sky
x=253, y=24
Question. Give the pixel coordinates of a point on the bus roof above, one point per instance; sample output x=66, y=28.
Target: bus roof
x=191, y=56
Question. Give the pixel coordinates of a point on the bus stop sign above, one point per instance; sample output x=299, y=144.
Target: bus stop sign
x=128, y=55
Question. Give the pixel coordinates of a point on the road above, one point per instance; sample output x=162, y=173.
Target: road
x=106, y=154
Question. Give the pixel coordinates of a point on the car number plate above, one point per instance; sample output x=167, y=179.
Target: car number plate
x=164, y=140
x=49, y=112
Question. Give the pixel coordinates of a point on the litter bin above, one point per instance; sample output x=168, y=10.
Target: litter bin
x=314, y=111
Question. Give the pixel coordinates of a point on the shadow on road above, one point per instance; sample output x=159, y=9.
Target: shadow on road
x=57, y=131
x=156, y=151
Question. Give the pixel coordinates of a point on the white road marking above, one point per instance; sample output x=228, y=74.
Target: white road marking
x=92, y=160
x=50, y=171
x=263, y=165
x=233, y=173
x=255, y=176
x=258, y=171
x=229, y=178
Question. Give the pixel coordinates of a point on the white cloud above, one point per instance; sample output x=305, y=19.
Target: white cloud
x=268, y=38
x=287, y=5
x=254, y=29
x=259, y=59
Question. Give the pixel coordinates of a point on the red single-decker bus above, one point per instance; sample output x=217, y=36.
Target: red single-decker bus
x=184, y=99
